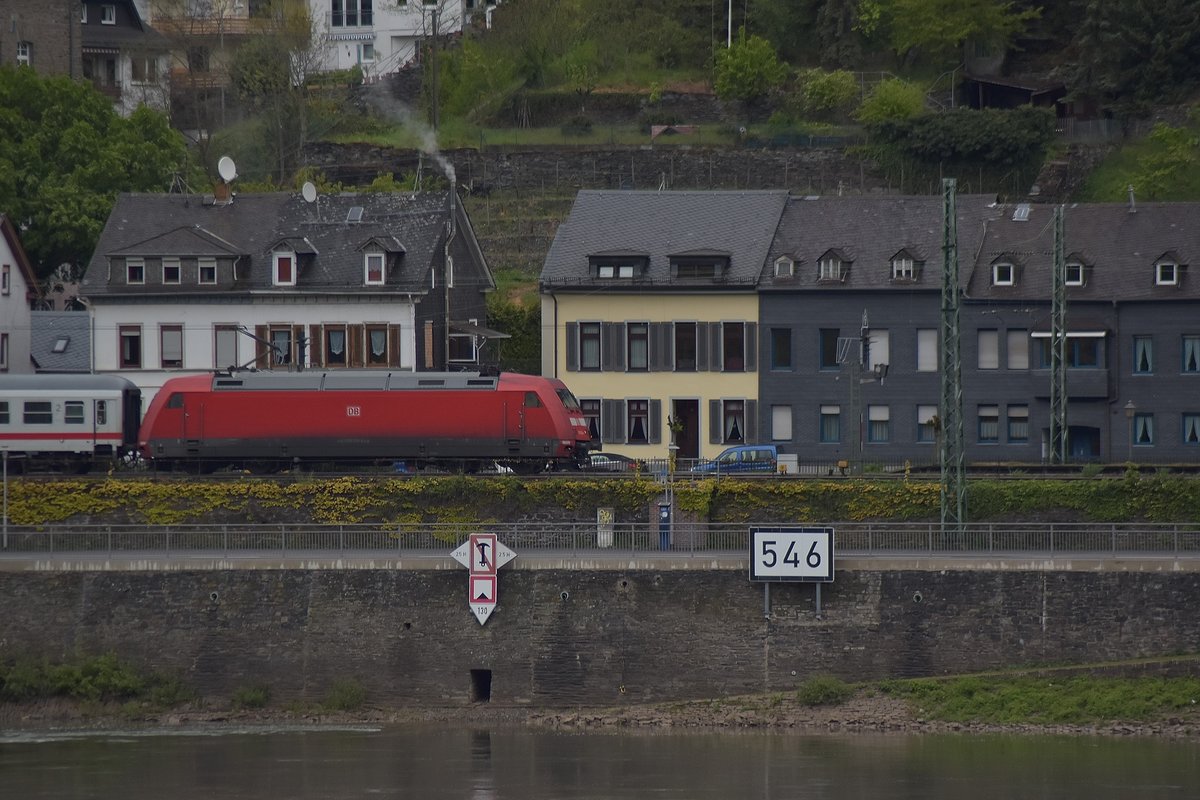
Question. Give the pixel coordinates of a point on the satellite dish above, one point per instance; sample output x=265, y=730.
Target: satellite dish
x=226, y=169
x=309, y=192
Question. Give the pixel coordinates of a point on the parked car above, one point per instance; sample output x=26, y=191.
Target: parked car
x=742, y=458
x=610, y=462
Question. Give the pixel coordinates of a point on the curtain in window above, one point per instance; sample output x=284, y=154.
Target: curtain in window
x=1018, y=423
x=1191, y=428
x=1143, y=429
x=926, y=423
x=1191, y=354
x=831, y=418
x=879, y=421
x=989, y=423
x=735, y=422
x=1142, y=354
x=337, y=343
x=378, y=343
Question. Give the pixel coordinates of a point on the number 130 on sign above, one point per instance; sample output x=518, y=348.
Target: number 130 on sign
x=791, y=554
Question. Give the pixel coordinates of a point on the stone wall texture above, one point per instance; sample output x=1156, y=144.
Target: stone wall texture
x=562, y=637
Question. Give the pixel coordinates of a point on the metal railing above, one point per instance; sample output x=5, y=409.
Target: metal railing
x=1100, y=540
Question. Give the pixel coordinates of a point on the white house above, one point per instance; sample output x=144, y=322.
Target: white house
x=18, y=288
x=186, y=284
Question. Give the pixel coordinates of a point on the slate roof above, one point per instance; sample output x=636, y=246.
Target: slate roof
x=662, y=225
x=48, y=327
x=1118, y=247
x=134, y=34
x=152, y=225
x=869, y=232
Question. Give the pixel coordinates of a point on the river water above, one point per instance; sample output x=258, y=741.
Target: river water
x=513, y=763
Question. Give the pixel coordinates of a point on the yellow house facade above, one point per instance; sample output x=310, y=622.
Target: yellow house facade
x=650, y=316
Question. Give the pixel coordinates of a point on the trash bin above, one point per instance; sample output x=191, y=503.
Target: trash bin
x=664, y=526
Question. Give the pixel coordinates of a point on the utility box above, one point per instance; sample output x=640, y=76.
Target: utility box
x=664, y=526
x=789, y=464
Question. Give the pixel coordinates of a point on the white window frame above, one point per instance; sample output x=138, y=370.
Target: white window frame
x=24, y=53
x=368, y=257
x=275, y=259
x=130, y=265
x=1166, y=273
x=163, y=331
x=172, y=262
x=1003, y=274
x=880, y=351
x=366, y=53
x=785, y=267
x=203, y=264
x=904, y=269
x=829, y=269
x=1074, y=274
x=108, y=15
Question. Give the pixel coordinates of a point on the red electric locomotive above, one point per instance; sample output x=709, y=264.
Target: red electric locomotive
x=456, y=420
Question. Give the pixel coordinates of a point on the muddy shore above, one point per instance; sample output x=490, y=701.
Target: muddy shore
x=864, y=713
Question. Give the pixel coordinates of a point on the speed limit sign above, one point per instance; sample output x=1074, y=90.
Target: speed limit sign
x=791, y=554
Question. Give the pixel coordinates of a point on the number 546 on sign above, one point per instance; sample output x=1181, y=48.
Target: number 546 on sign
x=791, y=554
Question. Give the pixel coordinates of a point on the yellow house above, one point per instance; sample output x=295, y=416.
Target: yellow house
x=650, y=316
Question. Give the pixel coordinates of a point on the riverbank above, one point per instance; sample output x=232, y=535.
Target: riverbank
x=867, y=711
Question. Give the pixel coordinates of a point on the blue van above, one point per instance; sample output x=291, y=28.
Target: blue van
x=742, y=458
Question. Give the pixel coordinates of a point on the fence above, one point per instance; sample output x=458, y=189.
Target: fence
x=1101, y=540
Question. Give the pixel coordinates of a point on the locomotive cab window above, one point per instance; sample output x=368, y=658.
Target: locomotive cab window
x=175, y=400
x=532, y=400
x=73, y=412
x=38, y=412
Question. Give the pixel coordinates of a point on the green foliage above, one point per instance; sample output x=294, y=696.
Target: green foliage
x=891, y=100
x=827, y=94
x=100, y=678
x=824, y=690
x=251, y=697
x=346, y=694
x=1016, y=137
x=1174, y=153
x=65, y=154
x=522, y=352
x=937, y=29
x=1162, y=166
x=1047, y=700
x=749, y=70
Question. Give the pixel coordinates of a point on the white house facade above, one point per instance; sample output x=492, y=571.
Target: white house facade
x=18, y=287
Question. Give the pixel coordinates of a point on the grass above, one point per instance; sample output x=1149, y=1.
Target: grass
x=1109, y=182
x=1047, y=700
x=824, y=690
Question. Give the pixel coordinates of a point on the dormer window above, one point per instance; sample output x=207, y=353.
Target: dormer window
x=170, y=271
x=135, y=271
x=1003, y=274
x=832, y=266
x=618, y=265
x=702, y=264
x=1074, y=275
x=696, y=269
x=373, y=266
x=1166, y=273
x=285, y=269
x=207, y=272
x=905, y=267
x=108, y=15
x=785, y=267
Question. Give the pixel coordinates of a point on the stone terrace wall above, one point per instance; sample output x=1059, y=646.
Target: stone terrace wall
x=566, y=637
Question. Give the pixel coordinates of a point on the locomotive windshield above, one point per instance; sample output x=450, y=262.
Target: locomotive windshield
x=568, y=399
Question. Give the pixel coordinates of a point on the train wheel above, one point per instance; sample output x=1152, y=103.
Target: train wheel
x=529, y=467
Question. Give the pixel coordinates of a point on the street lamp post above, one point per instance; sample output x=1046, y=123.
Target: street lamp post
x=1130, y=411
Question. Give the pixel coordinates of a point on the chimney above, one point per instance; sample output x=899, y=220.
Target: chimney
x=222, y=195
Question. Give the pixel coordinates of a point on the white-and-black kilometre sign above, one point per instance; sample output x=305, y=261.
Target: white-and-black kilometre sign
x=483, y=554
x=782, y=553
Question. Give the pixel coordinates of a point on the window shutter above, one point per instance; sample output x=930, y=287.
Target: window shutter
x=297, y=345
x=654, y=435
x=751, y=420
x=716, y=357
x=606, y=346
x=354, y=345
x=572, y=346
x=751, y=346
x=714, y=421
x=316, y=346
x=617, y=334
x=394, y=345
x=701, y=346
x=612, y=421
x=261, y=351
x=659, y=346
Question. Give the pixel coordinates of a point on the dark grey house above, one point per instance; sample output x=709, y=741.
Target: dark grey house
x=1133, y=334
x=850, y=300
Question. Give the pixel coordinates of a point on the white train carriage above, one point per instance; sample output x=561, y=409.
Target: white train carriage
x=67, y=421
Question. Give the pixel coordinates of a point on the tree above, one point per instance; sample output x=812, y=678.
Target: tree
x=937, y=29
x=891, y=100
x=65, y=154
x=748, y=70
